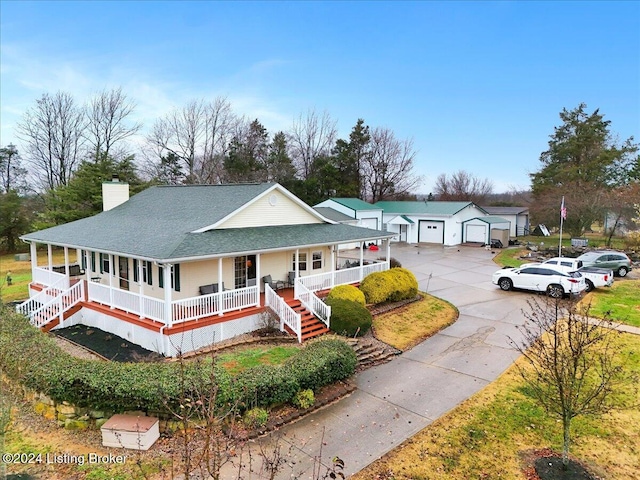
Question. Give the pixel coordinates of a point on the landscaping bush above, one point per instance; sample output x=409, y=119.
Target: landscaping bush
x=304, y=399
x=255, y=418
x=34, y=359
x=322, y=363
x=347, y=292
x=262, y=386
x=404, y=284
x=349, y=318
x=391, y=285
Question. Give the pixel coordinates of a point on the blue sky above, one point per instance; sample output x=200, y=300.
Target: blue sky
x=477, y=85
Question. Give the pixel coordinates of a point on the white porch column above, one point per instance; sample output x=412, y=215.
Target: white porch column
x=333, y=265
x=140, y=288
x=34, y=257
x=166, y=276
x=388, y=250
x=220, y=289
x=49, y=257
x=258, y=279
x=361, y=260
x=297, y=275
x=66, y=261
x=110, y=274
x=87, y=273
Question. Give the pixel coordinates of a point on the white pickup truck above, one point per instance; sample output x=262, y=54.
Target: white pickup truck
x=594, y=277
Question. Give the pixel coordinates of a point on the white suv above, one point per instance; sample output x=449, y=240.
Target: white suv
x=540, y=278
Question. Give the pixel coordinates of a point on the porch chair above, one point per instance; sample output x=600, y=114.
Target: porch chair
x=291, y=278
x=277, y=285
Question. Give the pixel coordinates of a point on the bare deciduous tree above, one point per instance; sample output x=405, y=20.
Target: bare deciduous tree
x=52, y=132
x=311, y=136
x=198, y=134
x=462, y=186
x=569, y=362
x=387, y=171
x=107, y=121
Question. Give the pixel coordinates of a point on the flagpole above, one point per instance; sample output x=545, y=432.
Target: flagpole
x=562, y=214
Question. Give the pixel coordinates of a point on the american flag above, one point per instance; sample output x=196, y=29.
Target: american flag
x=563, y=210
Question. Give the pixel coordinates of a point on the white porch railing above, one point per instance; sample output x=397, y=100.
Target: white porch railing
x=214, y=304
x=57, y=306
x=287, y=315
x=141, y=305
x=312, y=303
x=327, y=280
x=50, y=292
x=49, y=278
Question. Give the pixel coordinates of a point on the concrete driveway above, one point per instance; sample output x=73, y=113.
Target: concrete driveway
x=396, y=400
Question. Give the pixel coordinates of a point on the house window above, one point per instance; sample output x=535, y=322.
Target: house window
x=316, y=259
x=93, y=261
x=83, y=259
x=302, y=262
x=104, y=263
x=175, y=277
x=147, y=275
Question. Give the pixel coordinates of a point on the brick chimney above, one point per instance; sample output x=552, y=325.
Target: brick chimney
x=114, y=193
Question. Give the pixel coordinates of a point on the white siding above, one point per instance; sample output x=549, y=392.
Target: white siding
x=275, y=208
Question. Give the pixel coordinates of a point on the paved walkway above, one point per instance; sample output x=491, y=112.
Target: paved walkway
x=396, y=400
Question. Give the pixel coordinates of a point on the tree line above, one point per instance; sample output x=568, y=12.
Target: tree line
x=68, y=149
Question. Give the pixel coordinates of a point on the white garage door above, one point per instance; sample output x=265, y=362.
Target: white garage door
x=476, y=233
x=369, y=223
x=431, y=232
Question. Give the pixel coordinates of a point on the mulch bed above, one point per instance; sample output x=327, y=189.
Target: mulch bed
x=107, y=345
x=545, y=464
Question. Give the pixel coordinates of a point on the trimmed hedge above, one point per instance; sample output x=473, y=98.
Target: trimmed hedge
x=34, y=359
x=349, y=318
x=321, y=363
x=391, y=285
x=347, y=292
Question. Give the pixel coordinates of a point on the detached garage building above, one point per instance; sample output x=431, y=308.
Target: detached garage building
x=431, y=222
x=484, y=229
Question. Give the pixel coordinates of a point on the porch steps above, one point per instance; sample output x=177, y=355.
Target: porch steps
x=47, y=327
x=372, y=352
x=311, y=325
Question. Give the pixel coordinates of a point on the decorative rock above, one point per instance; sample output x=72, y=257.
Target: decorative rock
x=71, y=424
x=47, y=411
x=66, y=409
x=96, y=414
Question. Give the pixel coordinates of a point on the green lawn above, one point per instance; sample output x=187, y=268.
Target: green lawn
x=241, y=360
x=620, y=302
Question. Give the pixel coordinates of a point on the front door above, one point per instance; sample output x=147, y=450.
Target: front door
x=245, y=271
x=123, y=263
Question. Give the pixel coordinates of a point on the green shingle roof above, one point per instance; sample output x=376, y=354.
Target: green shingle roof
x=355, y=204
x=422, y=208
x=157, y=224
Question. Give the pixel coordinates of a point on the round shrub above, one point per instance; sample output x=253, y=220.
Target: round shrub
x=347, y=292
x=255, y=418
x=304, y=399
x=404, y=284
x=391, y=285
x=349, y=318
x=375, y=287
